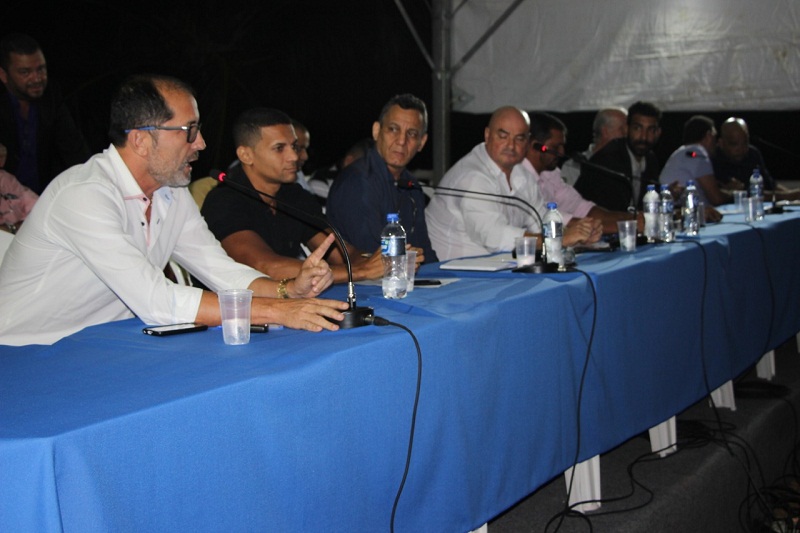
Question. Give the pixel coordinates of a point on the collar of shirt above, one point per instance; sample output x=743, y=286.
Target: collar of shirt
x=376, y=162
x=519, y=175
x=132, y=192
x=637, y=167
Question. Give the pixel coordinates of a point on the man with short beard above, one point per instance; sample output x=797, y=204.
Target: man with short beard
x=94, y=247
x=35, y=124
x=632, y=156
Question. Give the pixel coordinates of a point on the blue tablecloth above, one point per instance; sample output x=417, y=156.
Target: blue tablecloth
x=113, y=430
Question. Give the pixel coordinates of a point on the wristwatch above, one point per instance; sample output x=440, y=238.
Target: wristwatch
x=282, y=287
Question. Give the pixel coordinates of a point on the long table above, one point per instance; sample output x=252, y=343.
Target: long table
x=113, y=430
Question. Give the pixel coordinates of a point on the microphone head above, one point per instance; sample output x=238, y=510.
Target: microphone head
x=217, y=174
x=408, y=185
x=539, y=147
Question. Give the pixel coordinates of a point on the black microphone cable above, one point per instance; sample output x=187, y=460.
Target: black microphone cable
x=720, y=424
x=520, y=202
x=355, y=316
x=379, y=321
x=568, y=511
x=770, y=284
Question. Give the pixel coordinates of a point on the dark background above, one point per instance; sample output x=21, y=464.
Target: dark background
x=331, y=65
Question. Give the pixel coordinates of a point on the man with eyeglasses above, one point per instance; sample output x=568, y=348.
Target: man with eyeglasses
x=35, y=125
x=379, y=183
x=462, y=224
x=631, y=156
x=94, y=247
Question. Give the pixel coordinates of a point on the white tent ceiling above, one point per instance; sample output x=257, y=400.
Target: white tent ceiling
x=575, y=55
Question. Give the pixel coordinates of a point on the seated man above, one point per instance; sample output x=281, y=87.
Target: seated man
x=264, y=233
x=463, y=225
x=631, y=156
x=94, y=248
x=609, y=123
x=378, y=184
x=16, y=200
x=736, y=158
x=692, y=161
x=301, y=147
x=548, y=137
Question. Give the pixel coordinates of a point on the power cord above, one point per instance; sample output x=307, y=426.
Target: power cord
x=379, y=321
x=652, y=456
x=760, y=236
x=568, y=511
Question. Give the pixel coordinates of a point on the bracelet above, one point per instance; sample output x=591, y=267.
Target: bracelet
x=282, y=287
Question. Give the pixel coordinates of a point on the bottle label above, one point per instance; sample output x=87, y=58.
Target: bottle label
x=552, y=229
x=393, y=246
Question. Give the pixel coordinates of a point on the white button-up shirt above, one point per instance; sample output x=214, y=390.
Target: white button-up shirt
x=463, y=225
x=87, y=255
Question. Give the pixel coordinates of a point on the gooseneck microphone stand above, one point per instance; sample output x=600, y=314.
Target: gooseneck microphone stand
x=355, y=316
x=537, y=267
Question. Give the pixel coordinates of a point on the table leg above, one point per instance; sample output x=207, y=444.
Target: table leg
x=586, y=484
x=723, y=396
x=664, y=438
x=765, y=368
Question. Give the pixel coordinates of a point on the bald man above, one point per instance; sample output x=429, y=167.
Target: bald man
x=462, y=225
x=736, y=158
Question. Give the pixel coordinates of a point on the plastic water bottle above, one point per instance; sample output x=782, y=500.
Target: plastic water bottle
x=651, y=203
x=393, y=251
x=691, y=209
x=553, y=231
x=757, y=191
x=667, y=206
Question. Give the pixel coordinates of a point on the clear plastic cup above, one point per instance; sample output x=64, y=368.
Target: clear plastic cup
x=411, y=269
x=234, y=307
x=738, y=201
x=627, y=235
x=526, y=250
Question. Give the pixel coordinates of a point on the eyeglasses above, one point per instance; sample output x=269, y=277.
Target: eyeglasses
x=191, y=130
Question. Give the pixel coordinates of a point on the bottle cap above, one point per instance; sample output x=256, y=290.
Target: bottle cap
x=392, y=217
x=551, y=205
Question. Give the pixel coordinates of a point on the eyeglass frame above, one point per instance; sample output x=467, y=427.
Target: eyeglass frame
x=188, y=129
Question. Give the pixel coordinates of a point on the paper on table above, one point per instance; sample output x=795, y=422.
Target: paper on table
x=491, y=263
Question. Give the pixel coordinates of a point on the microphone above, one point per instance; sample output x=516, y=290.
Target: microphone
x=538, y=266
x=543, y=148
x=408, y=185
x=774, y=146
x=355, y=316
x=691, y=154
x=540, y=147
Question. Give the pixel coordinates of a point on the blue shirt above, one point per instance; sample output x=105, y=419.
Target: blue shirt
x=365, y=192
x=27, y=130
